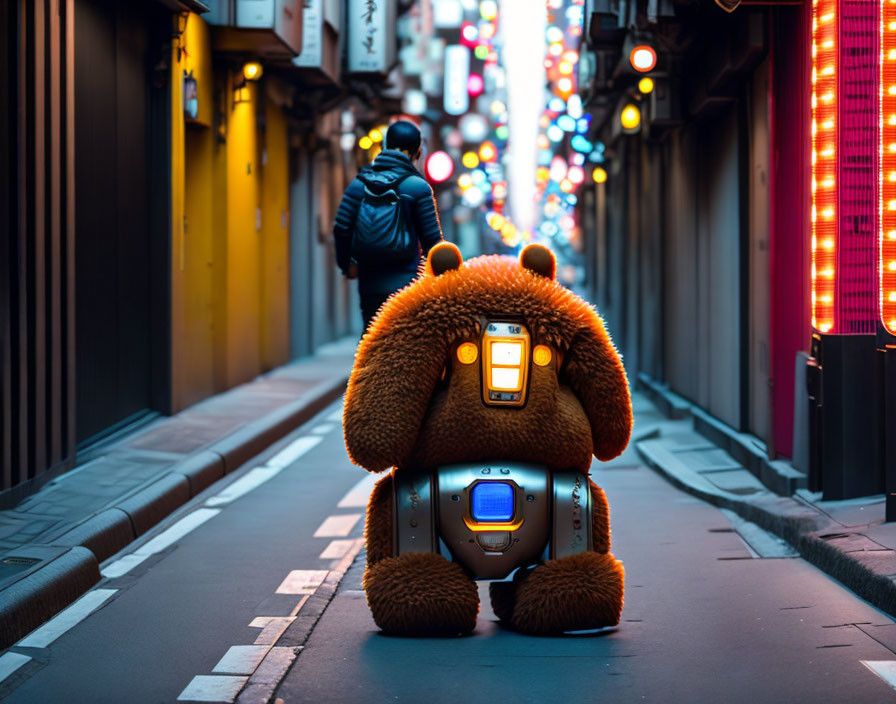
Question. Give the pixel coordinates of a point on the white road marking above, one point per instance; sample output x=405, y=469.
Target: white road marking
x=66, y=619
x=273, y=629
x=335, y=416
x=337, y=526
x=264, y=681
x=302, y=582
x=10, y=662
x=359, y=494
x=336, y=549
x=242, y=486
x=885, y=669
x=293, y=451
x=241, y=659
x=212, y=688
x=122, y=565
x=163, y=540
x=323, y=429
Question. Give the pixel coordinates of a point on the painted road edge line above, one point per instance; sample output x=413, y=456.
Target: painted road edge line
x=293, y=451
x=163, y=540
x=66, y=619
x=10, y=662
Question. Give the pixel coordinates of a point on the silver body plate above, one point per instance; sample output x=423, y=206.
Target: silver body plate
x=572, y=514
x=414, y=515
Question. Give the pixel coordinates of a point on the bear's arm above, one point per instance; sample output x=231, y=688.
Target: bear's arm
x=397, y=366
x=593, y=370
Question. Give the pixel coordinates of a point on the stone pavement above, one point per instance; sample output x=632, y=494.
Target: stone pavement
x=52, y=542
x=847, y=539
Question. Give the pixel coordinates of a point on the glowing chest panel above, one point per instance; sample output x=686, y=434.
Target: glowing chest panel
x=505, y=364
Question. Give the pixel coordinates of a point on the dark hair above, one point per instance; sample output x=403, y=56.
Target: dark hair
x=403, y=135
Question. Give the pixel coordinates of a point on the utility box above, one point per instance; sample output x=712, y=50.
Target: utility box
x=270, y=28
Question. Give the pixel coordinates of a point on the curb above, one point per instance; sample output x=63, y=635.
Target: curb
x=71, y=563
x=869, y=574
x=45, y=590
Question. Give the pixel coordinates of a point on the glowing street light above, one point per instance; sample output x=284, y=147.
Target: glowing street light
x=642, y=58
x=645, y=85
x=630, y=118
x=439, y=167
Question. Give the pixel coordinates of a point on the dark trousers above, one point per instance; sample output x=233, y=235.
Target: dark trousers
x=370, y=305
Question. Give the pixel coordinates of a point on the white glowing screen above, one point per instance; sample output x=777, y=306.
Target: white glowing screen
x=507, y=353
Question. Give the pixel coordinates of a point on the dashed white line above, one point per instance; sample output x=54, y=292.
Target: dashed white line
x=885, y=669
x=335, y=416
x=251, y=480
x=213, y=688
x=163, y=540
x=293, y=451
x=359, y=494
x=323, y=428
x=336, y=549
x=241, y=659
x=338, y=526
x=302, y=581
x=10, y=662
x=66, y=619
x=272, y=628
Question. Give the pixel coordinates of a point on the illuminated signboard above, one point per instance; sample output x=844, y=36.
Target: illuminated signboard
x=371, y=37
x=457, y=73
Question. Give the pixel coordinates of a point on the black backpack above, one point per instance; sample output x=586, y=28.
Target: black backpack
x=383, y=229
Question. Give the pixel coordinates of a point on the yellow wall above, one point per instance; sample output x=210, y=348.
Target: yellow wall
x=229, y=273
x=193, y=232
x=275, y=239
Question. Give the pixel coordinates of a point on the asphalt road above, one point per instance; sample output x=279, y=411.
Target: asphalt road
x=705, y=620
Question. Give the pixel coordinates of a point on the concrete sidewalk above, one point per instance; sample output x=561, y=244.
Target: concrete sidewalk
x=52, y=543
x=849, y=540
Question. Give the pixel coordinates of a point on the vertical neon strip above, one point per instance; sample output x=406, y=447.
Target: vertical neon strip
x=824, y=162
x=887, y=232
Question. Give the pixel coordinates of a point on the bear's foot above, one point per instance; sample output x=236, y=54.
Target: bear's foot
x=421, y=594
x=572, y=593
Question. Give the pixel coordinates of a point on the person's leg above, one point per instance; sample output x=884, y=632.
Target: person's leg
x=370, y=305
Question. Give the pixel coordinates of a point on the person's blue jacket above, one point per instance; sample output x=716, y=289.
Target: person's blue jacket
x=389, y=166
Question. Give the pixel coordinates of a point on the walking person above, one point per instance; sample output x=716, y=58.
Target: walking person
x=387, y=221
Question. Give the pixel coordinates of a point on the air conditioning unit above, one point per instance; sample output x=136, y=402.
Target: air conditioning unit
x=269, y=28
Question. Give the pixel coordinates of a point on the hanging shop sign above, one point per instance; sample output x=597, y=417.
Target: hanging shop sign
x=312, y=35
x=371, y=39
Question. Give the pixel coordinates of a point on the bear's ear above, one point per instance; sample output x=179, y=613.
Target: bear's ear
x=538, y=258
x=445, y=256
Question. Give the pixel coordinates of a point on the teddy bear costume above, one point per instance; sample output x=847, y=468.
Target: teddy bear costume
x=411, y=406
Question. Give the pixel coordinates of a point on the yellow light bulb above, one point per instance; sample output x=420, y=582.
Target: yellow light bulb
x=375, y=135
x=365, y=143
x=470, y=160
x=599, y=175
x=630, y=117
x=252, y=71
x=467, y=353
x=542, y=355
x=645, y=85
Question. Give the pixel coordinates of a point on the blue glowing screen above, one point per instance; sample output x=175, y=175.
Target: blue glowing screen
x=492, y=502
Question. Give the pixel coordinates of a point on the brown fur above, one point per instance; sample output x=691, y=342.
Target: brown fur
x=421, y=594
x=397, y=412
x=411, y=404
x=378, y=525
x=571, y=593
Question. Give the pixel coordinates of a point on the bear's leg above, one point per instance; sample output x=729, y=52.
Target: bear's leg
x=575, y=592
x=416, y=593
x=378, y=524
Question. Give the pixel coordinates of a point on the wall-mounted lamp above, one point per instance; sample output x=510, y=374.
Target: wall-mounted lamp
x=252, y=71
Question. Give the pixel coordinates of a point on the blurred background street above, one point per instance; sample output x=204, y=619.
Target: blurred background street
x=179, y=519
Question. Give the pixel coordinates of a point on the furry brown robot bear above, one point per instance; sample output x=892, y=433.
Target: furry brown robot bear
x=412, y=406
